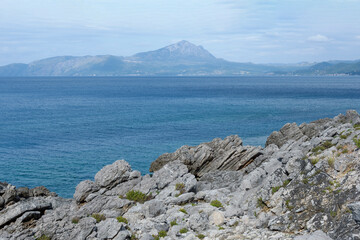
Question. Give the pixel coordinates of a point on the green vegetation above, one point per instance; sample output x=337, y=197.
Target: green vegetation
x=221, y=228
x=180, y=187
x=122, y=219
x=333, y=214
x=162, y=233
x=173, y=223
x=183, y=230
x=75, y=220
x=133, y=237
x=322, y=147
x=285, y=183
x=345, y=150
x=183, y=210
x=345, y=136
x=43, y=237
x=288, y=206
x=200, y=236
x=356, y=141
x=98, y=217
x=357, y=126
x=260, y=203
x=314, y=161
x=216, y=203
x=331, y=162
x=275, y=189
x=137, y=196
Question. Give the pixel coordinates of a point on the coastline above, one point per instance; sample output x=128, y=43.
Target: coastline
x=302, y=184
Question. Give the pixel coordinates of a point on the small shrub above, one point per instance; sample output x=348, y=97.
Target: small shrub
x=98, y=217
x=333, y=214
x=75, y=220
x=339, y=147
x=286, y=182
x=288, y=206
x=183, y=210
x=260, y=203
x=344, y=151
x=183, y=230
x=305, y=180
x=200, y=236
x=133, y=237
x=173, y=223
x=216, y=203
x=162, y=233
x=122, y=219
x=180, y=187
x=138, y=196
x=314, y=161
x=331, y=162
x=221, y=228
x=275, y=189
x=357, y=142
x=43, y=237
x=236, y=223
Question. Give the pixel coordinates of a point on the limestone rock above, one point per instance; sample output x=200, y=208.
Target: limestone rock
x=113, y=174
x=83, y=189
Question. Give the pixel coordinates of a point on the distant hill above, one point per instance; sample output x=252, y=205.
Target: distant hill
x=179, y=59
x=332, y=68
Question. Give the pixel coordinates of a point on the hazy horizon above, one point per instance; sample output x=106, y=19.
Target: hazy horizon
x=257, y=31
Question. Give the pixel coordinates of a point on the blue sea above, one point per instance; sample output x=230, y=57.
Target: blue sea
x=57, y=132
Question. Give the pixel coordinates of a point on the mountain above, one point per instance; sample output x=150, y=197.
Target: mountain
x=179, y=59
x=332, y=68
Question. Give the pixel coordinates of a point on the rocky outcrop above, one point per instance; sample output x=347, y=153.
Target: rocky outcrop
x=226, y=155
x=304, y=187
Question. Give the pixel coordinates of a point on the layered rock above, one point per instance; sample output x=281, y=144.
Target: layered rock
x=305, y=184
x=224, y=155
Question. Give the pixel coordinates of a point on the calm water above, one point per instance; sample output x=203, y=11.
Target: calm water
x=59, y=131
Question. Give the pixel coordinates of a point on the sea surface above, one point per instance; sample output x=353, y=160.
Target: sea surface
x=57, y=132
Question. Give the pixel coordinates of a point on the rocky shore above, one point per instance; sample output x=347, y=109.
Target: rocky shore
x=305, y=184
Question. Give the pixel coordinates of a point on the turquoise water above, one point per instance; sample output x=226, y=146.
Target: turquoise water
x=58, y=131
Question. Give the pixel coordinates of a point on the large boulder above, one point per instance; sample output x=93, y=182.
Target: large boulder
x=83, y=189
x=228, y=154
x=16, y=210
x=113, y=174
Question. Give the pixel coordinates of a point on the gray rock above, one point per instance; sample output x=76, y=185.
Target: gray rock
x=83, y=229
x=109, y=228
x=217, y=218
x=154, y=208
x=317, y=235
x=289, y=131
x=83, y=189
x=355, y=210
x=227, y=154
x=30, y=215
x=16, y=210
x=41, y=192
x=113, y=174
x=23, y=192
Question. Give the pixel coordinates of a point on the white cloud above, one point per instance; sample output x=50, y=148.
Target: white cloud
x=319, y=38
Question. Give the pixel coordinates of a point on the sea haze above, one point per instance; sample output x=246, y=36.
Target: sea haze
x=58, y=131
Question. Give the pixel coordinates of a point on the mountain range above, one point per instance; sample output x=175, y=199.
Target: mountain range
x=179, y=59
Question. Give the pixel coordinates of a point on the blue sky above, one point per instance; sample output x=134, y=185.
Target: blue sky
x=260, y=31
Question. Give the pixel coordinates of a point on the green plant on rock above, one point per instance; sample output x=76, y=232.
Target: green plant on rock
x=180, y=187
x=173, y=223
x=98, y=217
x=75, y=220
x=183, y=210
x=260, y=203
x=183, y=230
x=356, y=141
x=216, y=203
x=322, y=147
x=331, y=162
x=133, y=237
x=288, y=206
x=138, y=196
x=43, y=237
x=200, y=236
x=285, y=183
x=314, y=161
x=162, y=233
x=122, y=219
x=275, y=189
x=333, y=214
x=344, y=151
x=221, y=228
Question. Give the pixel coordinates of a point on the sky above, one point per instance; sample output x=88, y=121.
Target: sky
x=259, y=31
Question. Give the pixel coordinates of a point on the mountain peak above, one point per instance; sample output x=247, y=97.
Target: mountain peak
x=179, y=51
